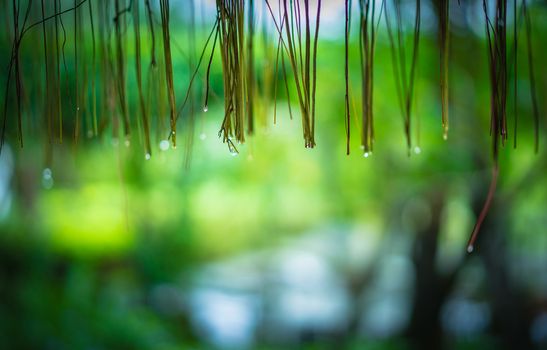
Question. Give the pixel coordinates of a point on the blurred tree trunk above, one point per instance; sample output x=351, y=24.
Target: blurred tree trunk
x=432, y=288
x=511, y=316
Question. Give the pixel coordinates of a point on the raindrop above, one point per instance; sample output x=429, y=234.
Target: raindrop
x=147, y=156
x=417, y=150
x=445, y=136
x=366, y=154
x=362, y=146
x=205, y=108
x=46, y=174
x=47, y=178
x=127, y=143
x=164, y=145
x=234, y=153
x=470, y=248
x=202, y=136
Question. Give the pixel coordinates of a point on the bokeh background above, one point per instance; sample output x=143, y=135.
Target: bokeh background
x=283, y=247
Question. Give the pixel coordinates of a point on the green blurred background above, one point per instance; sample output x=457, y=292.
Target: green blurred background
x=280, y=246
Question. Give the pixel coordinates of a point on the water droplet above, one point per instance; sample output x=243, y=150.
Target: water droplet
x=205, y=108
x=234, y=153
x=362, y=146
x=366, y=154
x=417, y=150
x=46, y=173
x=164, y=145
x=127, y=143
x=47, y=178
x=173, y=132
x=202, y=136
x=77, y=108
x=147, y=156
x=470, y=248
x=445, y=136
x=89, y=133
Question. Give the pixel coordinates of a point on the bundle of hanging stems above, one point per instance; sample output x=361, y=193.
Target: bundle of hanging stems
x=100, y=88
x=295, y=36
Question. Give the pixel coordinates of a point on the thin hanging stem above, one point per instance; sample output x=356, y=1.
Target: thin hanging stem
x=531, y=76
x=346, y=76
x=164, y=9
x=138, y=70
x=444, y=44
x=94, y=71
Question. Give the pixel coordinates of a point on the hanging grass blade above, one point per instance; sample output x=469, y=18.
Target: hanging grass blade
x=18, y=88
x=196, y=71
x=46, y=65
x=404, y=84
x=14, y=64
x=497, y=58
x=150, y=18
x=138, y=71
x=531, y=77
x=164, y=9
x=57, y=7
x=484, y=211
x=216, y=30
x=76, y=77
x=346, y=75
x=231, y=15
x=304, y=65
x=444, y=44
x=93, y=71
x=314, y=71
x=250, y=67
x=120, y=66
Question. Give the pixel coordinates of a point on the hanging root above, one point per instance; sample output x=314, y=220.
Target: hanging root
x=444, y=40
x=404, y=84
x=231, y=15
x=164, y=8
x=346, y=76
x=138, y=70
x=496, y=34
x=484, y=211
x=531, y=78
x=367, y=42
x=295, y=35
